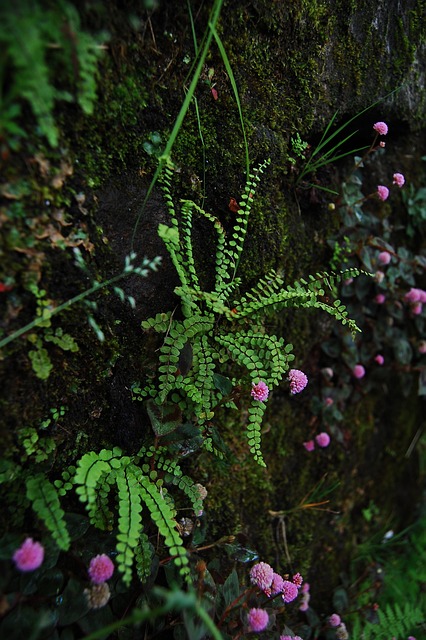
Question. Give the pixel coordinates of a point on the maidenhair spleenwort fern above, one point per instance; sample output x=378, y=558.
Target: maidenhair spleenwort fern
x=217, y=327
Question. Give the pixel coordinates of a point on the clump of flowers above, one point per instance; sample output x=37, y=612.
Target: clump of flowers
x=257, y=619
x=289, y=591
x=101, y=568
x=298, y=380
x=262, y=575
x=29, y=556
x=260, y=391
x=298, y=580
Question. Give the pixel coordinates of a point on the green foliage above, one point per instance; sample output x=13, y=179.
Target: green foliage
x=394, y=621
x=45, y=501
x=31, y=35
x=137, y=487
x=217, y=327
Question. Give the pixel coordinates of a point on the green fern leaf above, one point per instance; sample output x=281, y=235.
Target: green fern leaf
x=45, y=502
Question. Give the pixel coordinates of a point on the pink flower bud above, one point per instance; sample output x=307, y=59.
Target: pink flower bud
x=379, y=359
x=322, y=439
x=29, y=556
x=382, y=192
x=380, y=298
x=398, y=179
x=384, y=257
x=358, y=371
x=381, y=128
x=309, y=445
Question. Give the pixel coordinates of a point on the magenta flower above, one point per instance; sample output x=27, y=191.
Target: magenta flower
x=384, y=257
x=257, y=619
x=398, y=179
x=277, y=584
x=29, y=556
x=290, y=591
x=298, y=381
x=334, y=620
x=380, y=298
x=260, y=391
x=309, y=445
x=417, y=308
x=262, y=575
x=379, y=359
x=381, y=128
x=358, y=371
x=101, y=568
x=322, y=439
x=306, y=587
x=382, y=192
x=297, y=579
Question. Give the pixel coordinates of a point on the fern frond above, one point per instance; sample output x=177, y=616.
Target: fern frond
x=175, y=476
x=394, y=621
x=160, y=322
x=129, y=518
x=256, y=412
x=45, y=502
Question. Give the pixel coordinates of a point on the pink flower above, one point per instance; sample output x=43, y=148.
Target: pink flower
x=422, y=295
x=417, y=308
x=306, y=587
x=322, y=439
x=381, y=128
x=257, y=619
x=262, y=575
x=413, y=295
x=380, y=298
x=382, y=144
x=297, y=579
x=277, y=584
x=298, y=381
x=379, y=359
x=309, y=445
x=290, y=591
x=29, y=556
x=260, y=391
x=101, y=568
x=358, y=371
x=384, y=257
x=334, y=620
x=379, y=276
x=304, y=606
x=398, y=179
x=382, y=192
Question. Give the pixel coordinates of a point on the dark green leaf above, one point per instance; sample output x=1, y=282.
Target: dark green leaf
x=223, y=384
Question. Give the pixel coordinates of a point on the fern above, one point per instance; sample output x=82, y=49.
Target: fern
x=137, y=488
x=394, y=621
x=217, y=326
x=45, y=501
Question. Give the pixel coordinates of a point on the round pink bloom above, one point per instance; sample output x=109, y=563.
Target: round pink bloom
x=413, y=295
x=277, y=584
x=379, y=359
x=309, y=445
x=417, y=308
x=257, y=619
x=262, y=575
x=260, y=391
x=334, y=620
x=380, y=298
x=297, y=579
x=306, y=587
x=298, y=381
x=290, y=591
x=384, y=257
x=29, y=556
x=322, y=439
x=101, y=568
x=381, y=128
x=398, y=179
x=422, y=295
x=358, y=371
x=382, y=192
